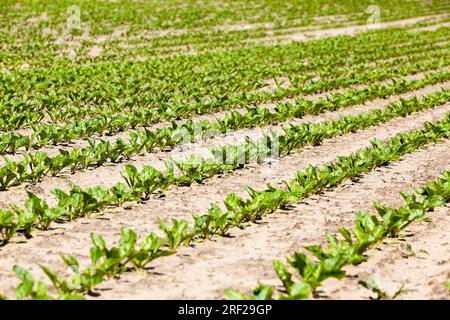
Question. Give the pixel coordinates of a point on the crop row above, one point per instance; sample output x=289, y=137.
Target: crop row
x=140, y=185
x=369, y=230
x=200, y=42
x=112, y=123
x=128, y=255
x=103, y=17
x=158, y=82
x=204, y=43
x=62, y=111
x=36, y=165
x=46, y=50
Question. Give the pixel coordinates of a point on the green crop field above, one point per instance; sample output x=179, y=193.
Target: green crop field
x=199, y=149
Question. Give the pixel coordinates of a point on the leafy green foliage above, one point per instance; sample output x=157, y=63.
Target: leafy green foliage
x=177, y=234
x=28, y=288
x=381, y=295
x=34, y=166
x=84, y=98
x=8, y=225
x=368, y=231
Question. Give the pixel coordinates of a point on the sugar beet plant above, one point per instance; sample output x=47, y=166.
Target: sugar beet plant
x=105, y=262
x=108, y=262
x=87, y=97
x=36, y=165
x=139, y=103
x=328, y=262
x=106, y=84
x=109, y=122
x=139, y=185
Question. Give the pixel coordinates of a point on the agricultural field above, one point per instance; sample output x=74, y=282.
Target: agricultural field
x=199, y=149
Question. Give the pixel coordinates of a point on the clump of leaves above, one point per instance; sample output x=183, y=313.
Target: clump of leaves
x=380, y=294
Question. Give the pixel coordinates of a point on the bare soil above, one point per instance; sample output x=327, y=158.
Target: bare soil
x=169, y=274
x=418, y=261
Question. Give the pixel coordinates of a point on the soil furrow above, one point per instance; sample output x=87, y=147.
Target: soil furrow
x=110, y=173
x=419, y=261
x=73, y=238
x=348, y=30
x=245, y=258
x=81, y=143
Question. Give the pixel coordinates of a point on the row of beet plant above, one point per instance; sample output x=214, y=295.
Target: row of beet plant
x=329, y=261
x=128, y=254
x=79, y=202
x=36, y=165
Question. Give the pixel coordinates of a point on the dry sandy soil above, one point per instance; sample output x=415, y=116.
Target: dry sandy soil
x=245, y=257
